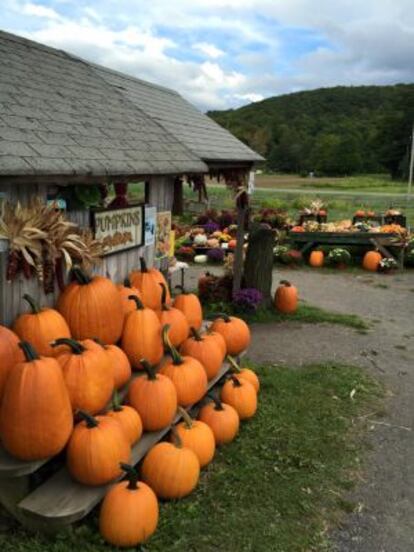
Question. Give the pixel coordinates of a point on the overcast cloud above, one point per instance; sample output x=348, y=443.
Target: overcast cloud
x=225, y=53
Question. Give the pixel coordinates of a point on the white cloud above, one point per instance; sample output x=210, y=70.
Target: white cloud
x=209, y=49
x=252, y=97
x=37, y=10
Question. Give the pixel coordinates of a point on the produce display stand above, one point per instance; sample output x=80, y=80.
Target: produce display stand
x=58, y=500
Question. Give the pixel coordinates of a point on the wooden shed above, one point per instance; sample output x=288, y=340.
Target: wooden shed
x=65, y=122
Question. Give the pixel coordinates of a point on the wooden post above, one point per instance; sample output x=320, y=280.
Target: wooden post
x=238, y=253
x=177, y=207
x=258, y=266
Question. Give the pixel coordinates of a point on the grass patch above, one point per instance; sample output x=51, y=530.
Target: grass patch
x=278, y=487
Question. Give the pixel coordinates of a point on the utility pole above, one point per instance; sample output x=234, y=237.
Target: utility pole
x=410, y=175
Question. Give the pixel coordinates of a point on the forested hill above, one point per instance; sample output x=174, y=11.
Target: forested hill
x=332, y=131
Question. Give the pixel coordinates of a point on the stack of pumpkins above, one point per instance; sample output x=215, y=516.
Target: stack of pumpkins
x=59, y=370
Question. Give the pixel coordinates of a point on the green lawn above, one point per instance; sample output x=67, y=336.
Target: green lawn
x=278, y=487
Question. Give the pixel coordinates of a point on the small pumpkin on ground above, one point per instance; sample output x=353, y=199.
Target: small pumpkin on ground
x=147, y=282
x=189, y=304
x=371, y=261
x=244, y=373
x=126, y=290
x=129, y=512
x=171, y=469
x=128, y=418
x=235, y=331
x=197, y=436
x=40, y=327
x=36, y=415
x=222, y=419
x=154, y=397
x=186, y=373
x=206, y=349
x=316, y=258
x=120, y=364
x=174, y=318
x=286, y=298
x=96, y=449
x=10, y=355
x=240, y=394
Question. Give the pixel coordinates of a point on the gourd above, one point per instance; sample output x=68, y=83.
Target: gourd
x=371, y=260
x=186, y=373
x=244, y=373
x=36, y=415
x=206, y=349
x=241, y=395
x=96, y=449
x=154, y=398
x=10, y=355
x=286, y=298
x=235, y=331
x=197, y=436
x=222, y=419
x=171, y=470
x=200, y=240
x=141, y=337
x=92, y=307
x=189, y=304
x=121, y=366
x=87, y=372
x=126, y=290
x=40, y=327
x=129, y=512
x=175, y=319
x=316, y=259
x=147, y=282
x=200, y=259
x=128, y=418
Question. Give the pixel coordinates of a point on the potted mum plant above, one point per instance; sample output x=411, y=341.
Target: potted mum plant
x=339, y=257
x=387, y=265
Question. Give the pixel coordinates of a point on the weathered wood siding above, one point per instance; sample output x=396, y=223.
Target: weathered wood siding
x=117, y=266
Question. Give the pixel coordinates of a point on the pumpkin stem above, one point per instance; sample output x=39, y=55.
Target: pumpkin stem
x=176, y=357
x=222, y=315
x=33, y=305
x=29, y=351
x=151, y=373
x=90, y=420
x=196, y=334
x=234, y=366
x=143, y=264
x=285, y=283
x=186, y=417
x=100, y=342
x=127, y=283
x=76, y=347
x=116, y=403
x=181, y=288
x=164, y=305
x=218, y=405
x=176, y=438
x=137, y=300
x=80, y=276
x=132, y=476
x=236, y=381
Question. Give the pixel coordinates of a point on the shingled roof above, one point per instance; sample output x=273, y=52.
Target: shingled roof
x=58, y=116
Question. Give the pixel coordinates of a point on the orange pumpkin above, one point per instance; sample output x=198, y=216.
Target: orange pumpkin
x=175, y=319
x=232, y=244
x=222, y=419
x=120, y=364
x=244, y=373
x=241, y=395
x=92, y=307
x=96, y=449
x=286, y=298
x=316, y=258
x=189, y=304
x=186, y=373
x=198, y=437
x=129, y=512
x=219, y=340
x=206, y=349
x=141, y=337
x=41, y=327
x=128, y=418
x=154, y=398
x=10, y=355
x=235, y=331
x=36, y=415
x=147, y=282
x=371, y=261
x=125, y=291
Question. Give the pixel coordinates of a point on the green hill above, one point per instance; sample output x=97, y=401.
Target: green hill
x=332, y=131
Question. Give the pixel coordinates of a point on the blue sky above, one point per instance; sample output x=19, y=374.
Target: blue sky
x=225, y=53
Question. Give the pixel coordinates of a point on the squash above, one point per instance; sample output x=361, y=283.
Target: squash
x=198, y=437
x=129, y=512
x=200, y=240
x=186, y=373
x=213, y=243
x=222, y=419
x=200, y=259
x=92, y=307
x=87, y=372
x=235, y=331
x=96, y=449
x=189, y=304
x=154, y=398
x=141, y=337
x=126, y=290
x=121, y=366
x=316, y=258
x=10, y=355
x=36, y=415
x=244, y=373
x=147, y=282
x=175, y=319
x=286, y=298
x=241, y=395
x=371, y=260
x=206, y=349
x=171, y=469
x=128, y=418
x=40, y=327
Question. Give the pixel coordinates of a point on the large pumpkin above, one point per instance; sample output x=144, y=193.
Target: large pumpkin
x=171, y=470
x=92, y=307
x=222, y=419
x=286, y=298
x=40, y=327
x=147, y=282
x=126, y=290
x=371, y=260
x=88, y=374
x=189, y=304
x=96, y=449
x=235, y=331
x=121, y=366
x=244, y=373
x=10, y=355
x=186, y=373
x=316, y=259
x=241, y=395
x=154, y=398
x=129, y=512
x=128, y=418
x=206, y=349
x=141, y=337
x=198, y=437
x=175, y=319
x=36, y=415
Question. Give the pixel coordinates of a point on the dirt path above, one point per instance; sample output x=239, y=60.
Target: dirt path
x=385, y=518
